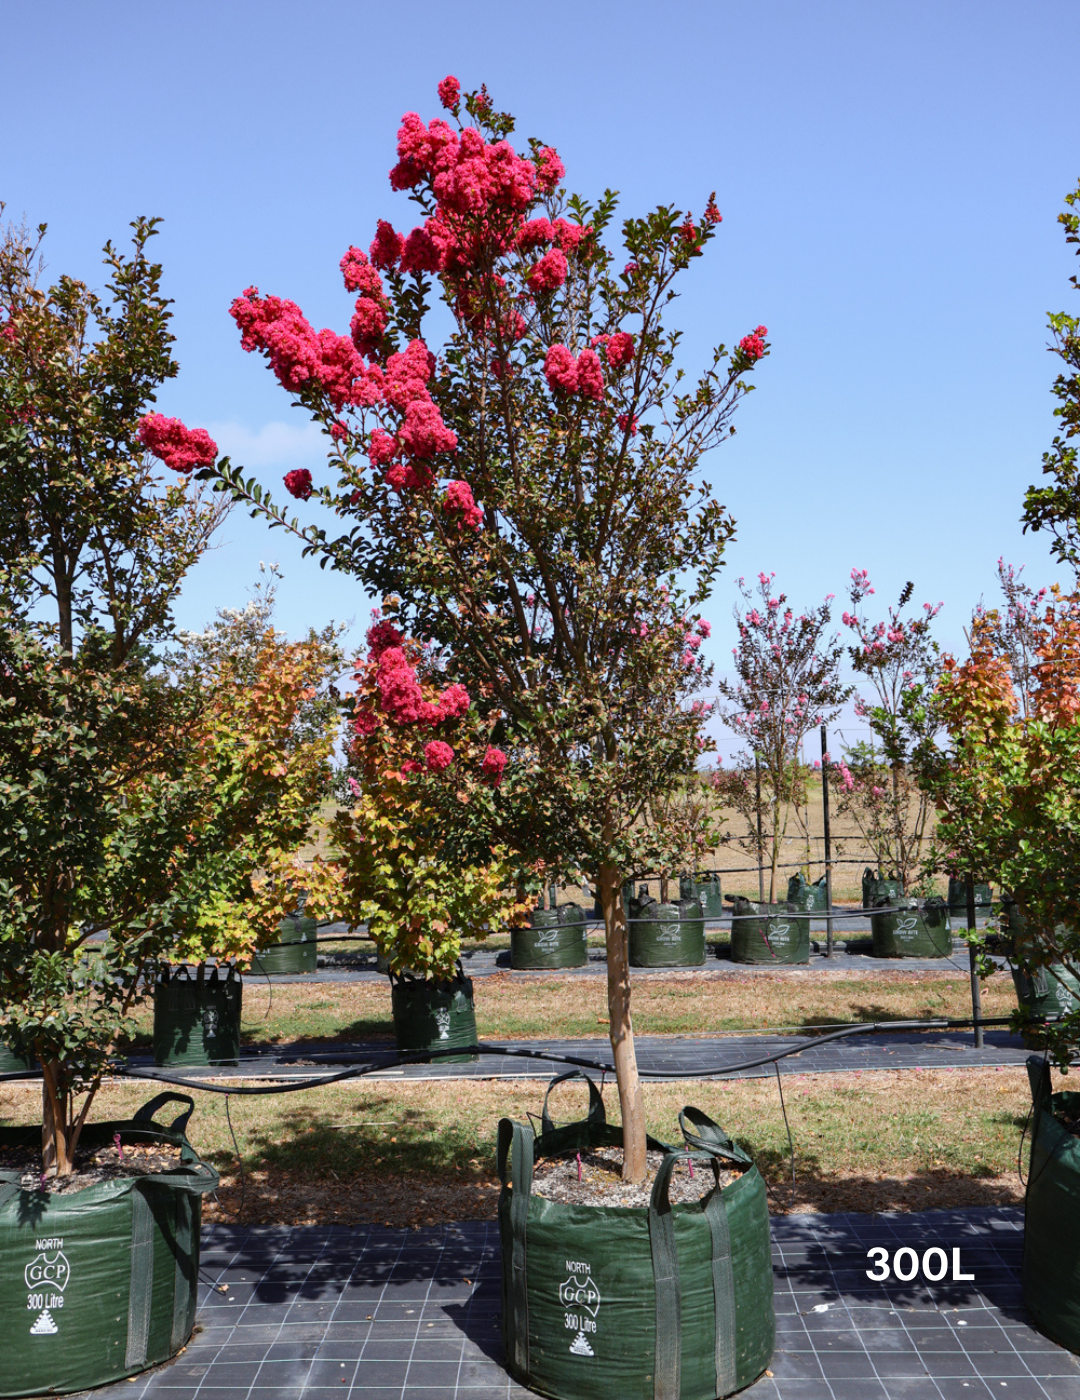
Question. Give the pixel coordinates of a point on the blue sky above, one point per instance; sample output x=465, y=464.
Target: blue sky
x=889, y=176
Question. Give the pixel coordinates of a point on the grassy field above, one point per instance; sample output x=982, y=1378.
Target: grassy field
x=674, y=1003
x=421, y=1153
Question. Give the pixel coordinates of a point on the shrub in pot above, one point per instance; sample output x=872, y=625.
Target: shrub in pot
x=105, y=799
x=268, y=726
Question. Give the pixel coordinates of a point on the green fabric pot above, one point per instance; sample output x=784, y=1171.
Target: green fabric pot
x=1050, y=1273
x=100, y=1284
x=705, y=888
x=806, y=896
x=297, y=950
x=11, y=1063
x=958, y=901
x=433, y=1015
x=909, y=932
x=667, y=935
x=197, y=1020
x=768, y=933
x=880, y=889
x=1043, y=992
x=555, y=938
x=639, y=1303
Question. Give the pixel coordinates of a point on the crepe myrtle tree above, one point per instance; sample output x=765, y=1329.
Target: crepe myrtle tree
x=880, y=785
x=786, y=684
x=99, y=813
x=528, y=491
x=419, y=767
x=1055, y=506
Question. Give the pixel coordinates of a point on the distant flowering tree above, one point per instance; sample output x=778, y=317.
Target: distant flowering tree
x=787, y=683
x=886, y=796
x=529, y=492
x=1015, y=630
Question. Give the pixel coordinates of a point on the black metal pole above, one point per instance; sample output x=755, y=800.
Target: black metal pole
x=760, y=846
x=828, y=840
x=976, y=989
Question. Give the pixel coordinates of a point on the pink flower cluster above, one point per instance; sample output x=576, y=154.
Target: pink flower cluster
x=438, y=755
x=177, y=446
x=753, y=346
x=402, y=700
x=300, y=356
x=581, y=376
x=459, y=499
x=494, y=765
x=298, y=483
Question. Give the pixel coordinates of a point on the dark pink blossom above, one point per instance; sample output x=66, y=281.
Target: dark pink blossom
x=386, y=247
x=298, y=483
x=459, y=499
x=561, y=370
x=549, y=273
x=493, y=765
x=359, y=275
x=381, y=448
x=450, y=93
x=752, y=347
x=423, y=433
x=420, y=252
x=438, y=755
x=533, y=234
x=590, y=375
x=381, y=635
x=550, y=169
x=368, y=324
x=620, y=349
x=174, y=444
x=628, y=420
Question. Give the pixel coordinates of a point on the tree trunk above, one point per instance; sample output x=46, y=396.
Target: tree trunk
x=55, y=1157
x=631, y=1103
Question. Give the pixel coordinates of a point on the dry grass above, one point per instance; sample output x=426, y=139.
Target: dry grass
x=699, y=1002
x=414, y=1153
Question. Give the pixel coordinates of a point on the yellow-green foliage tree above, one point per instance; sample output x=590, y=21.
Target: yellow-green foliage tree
x=264, y=746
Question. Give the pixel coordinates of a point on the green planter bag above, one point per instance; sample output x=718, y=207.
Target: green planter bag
x=433, y=1015
x=555, y=938
x=1050, y=1274
x=806, y=896
x=910, y=932
x=880, y=889
x=11, y=1063
x=657, y=1302
x=666, y=935
x=705, y=888
x=958, y=901
x=102, y=1283
x=768, y=933
x=197, y=1017
x=297, y=950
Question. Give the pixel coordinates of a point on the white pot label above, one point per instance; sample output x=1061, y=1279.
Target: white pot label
x=581, y=1299
x=669, y=934
x=46, y=1277
x=547, y=939
x=210, y=1022
x=907, y=929
x=442, y=1020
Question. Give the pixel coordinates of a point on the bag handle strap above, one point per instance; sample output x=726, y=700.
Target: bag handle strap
x=179, y=1124
x=665, y=1268
x=1038, y=1068
x=516, y=1143
x=596, y=1112
x=702, y=1134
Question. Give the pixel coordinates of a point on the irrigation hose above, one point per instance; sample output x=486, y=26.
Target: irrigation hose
x=394, y=1061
